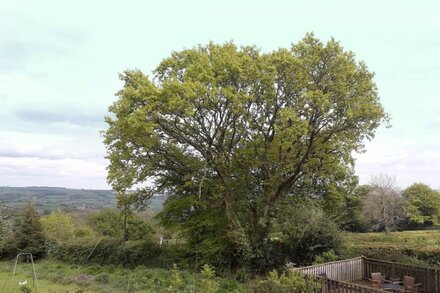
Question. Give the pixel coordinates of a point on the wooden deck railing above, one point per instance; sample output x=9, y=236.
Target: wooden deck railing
x=336, y=286
x=340, y=273
x=428, y=277
x=343, y=270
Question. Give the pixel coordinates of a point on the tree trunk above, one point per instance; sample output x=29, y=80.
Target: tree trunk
x=125, y=234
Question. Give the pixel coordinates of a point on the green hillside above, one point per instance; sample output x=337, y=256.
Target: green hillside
x=50, y=198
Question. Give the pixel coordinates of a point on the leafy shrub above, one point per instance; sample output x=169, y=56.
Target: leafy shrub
x=110, y=222
x=305, y=232
x=285, y=282
x=209, y=284
x=110, y=251
x=327, y=256
x=58, y=226
x=175, y=280
x=241, y=275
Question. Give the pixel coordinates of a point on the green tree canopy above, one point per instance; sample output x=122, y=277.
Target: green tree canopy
x=58, y=226
x=238, y=130
x=422, y=204
x=110, y=222
x=350, y=215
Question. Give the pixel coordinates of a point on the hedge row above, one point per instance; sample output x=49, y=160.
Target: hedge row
x=113, y=252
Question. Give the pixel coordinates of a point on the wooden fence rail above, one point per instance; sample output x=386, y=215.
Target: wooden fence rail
x=336, y=286
x=428, y=277
x=340, y=273
x=343, y=270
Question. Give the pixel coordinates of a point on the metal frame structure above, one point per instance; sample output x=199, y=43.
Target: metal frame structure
x=34, y=273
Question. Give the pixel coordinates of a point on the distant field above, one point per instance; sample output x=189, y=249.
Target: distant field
x=50, y=198
x=419, y=240
x=407, y=246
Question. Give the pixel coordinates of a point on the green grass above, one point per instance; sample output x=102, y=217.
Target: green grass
x=25, y=273
x=422, y=241
x=411, y=247
x=56, y=277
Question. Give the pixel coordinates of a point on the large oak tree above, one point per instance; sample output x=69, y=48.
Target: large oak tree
x=234, y=131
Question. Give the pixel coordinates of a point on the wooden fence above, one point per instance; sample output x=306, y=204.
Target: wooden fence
x=336, y=286
x=340, y=273
x=428, y=277
x=344, y=270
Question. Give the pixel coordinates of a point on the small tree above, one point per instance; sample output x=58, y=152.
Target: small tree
x=28, y=235
x=58, y=226
x=382, y=207
x=110, y=222
x=422, y=204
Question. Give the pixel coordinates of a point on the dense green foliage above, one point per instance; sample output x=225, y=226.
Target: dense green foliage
x=28, y=235
x=58, y=226
x=112, y=251
x=231, y=132
x=203, y=227
x=303, y=231
x=350, y=214
x=285, y=282
x=111, y=264
x=416, y=248
x=110, y=222
x=369, y=208
x=422, y=205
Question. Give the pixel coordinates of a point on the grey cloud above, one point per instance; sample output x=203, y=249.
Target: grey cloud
x=69, y=116
x=49, y=154
x=18, y=154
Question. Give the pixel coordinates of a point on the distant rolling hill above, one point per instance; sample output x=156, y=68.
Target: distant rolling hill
x=50, y=198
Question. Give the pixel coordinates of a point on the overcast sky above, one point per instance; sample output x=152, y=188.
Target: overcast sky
x=59, y=65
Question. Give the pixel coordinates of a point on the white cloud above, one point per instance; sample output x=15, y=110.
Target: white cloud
x=59, y=63
x=409, y=163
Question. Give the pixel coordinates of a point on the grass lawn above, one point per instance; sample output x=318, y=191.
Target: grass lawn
x=52, y=278
x=57, y=277
x=24, y=272
x=410, y=247
x=415, y=240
